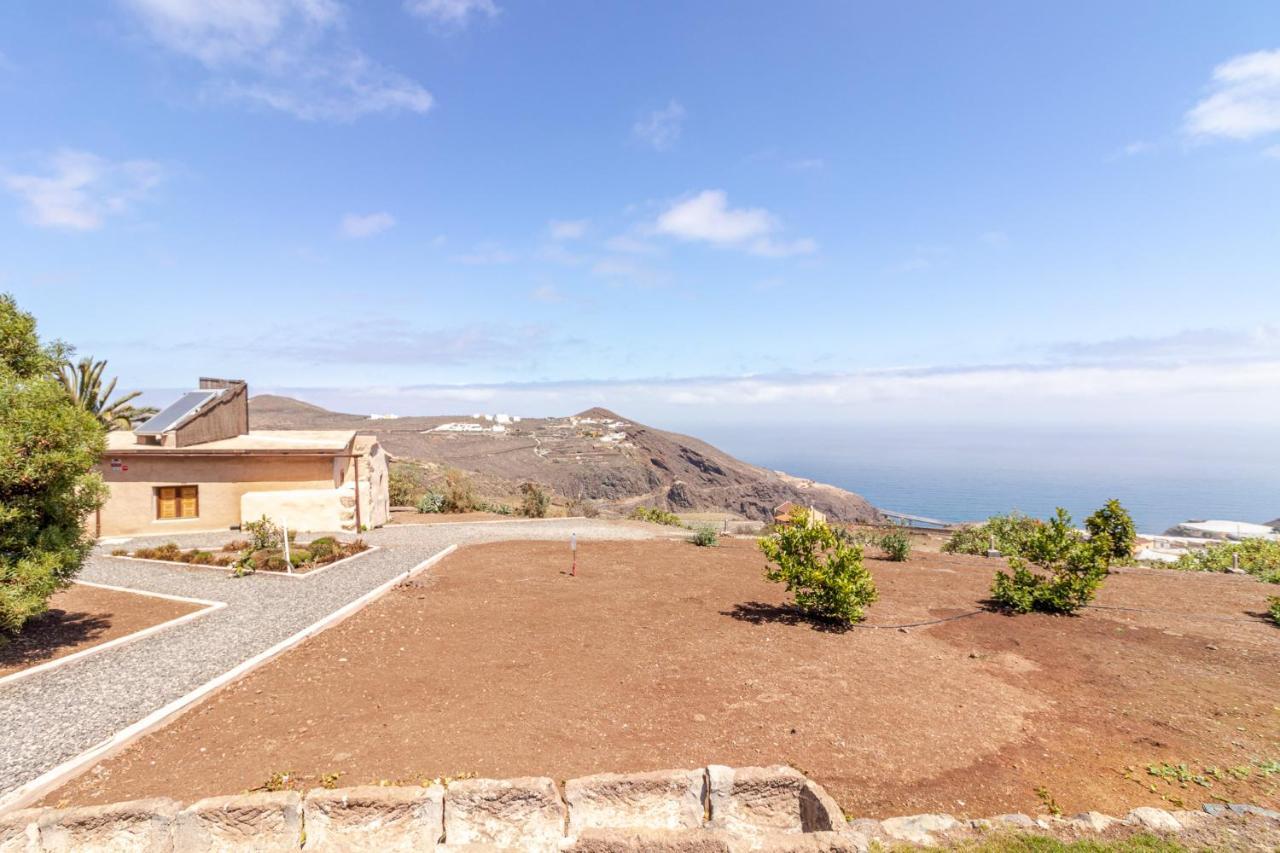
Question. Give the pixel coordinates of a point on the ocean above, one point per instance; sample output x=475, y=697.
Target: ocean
x=965, y=473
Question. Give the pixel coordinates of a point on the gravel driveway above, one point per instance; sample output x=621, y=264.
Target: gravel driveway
x=55, y=715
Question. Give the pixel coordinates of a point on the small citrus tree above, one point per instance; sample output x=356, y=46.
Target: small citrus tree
x=823, y=572
x=1070, y=570
x=1114, y=520
x=533, y=501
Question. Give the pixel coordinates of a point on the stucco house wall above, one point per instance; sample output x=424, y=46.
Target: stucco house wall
x=223, y=481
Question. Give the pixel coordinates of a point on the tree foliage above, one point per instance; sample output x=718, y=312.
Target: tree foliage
x=1068, y=569
x=83, y=381
x=822, y=571
x=49, y=450
x=1010, y=533
x=1258, y=557
x=1114, y=520
x=1273, y=611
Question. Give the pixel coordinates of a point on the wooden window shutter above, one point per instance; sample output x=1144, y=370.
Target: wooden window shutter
x=190, y=505
x=167, y=503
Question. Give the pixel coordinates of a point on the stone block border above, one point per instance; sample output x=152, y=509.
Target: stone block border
x=207, y=607
x=51, y=779
x=709, y=809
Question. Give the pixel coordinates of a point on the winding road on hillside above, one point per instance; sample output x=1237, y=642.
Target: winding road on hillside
x=53, y=716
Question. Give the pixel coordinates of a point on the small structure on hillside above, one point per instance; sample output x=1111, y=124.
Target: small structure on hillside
x=784, y=513
x=196, y=466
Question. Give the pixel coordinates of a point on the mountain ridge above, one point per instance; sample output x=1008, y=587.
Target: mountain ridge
x=595, y=455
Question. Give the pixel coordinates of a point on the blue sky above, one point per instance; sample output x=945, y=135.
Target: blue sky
x=909, y=211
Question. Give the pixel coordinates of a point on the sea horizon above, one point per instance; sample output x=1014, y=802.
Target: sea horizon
x=970, y=472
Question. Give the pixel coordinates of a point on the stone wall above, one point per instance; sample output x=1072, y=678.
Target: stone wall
x=713, y=809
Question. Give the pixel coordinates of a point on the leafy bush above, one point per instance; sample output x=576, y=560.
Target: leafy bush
x=1274, y=611
x=1114, y=520
x=430, y=502
x=896, y=546
x=1072, y=569
x=1010, y=532
x=406, y=483
x=49, y=451
x=533, y=501
x=459, y=494
x=167, y=551
x=263, y=534
x=705, y=537
x=656, y=516
x=322, y=548
x=1258, y=557
x=497, y=509
x=201, y=558
x=823, y=573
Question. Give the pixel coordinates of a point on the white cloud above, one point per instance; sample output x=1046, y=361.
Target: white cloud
x=80, y=189
x=1133, y=149
x=1244, y=99
x=707, y=217
x=451, y=14
x=567, y=229
x=288, y=55
x=1272, y=152
x=366, y=225
x=661, y=128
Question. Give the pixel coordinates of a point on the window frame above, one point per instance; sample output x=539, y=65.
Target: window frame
x=178, y=499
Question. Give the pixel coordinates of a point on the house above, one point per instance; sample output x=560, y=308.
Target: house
x=197, y=466
x=782, y=513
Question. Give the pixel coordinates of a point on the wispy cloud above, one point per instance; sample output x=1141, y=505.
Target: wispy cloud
x=1200, y=346
x=392, y=341
x=451, y=14
x=994, y=238
x=547, y=294
x=567, y=229
x=355, y=225
x=1136, y=148
x=287, y=55
x=79, y=190
x=810, y=164
x=707, y=217
x=1244, y=99
x=661, y=128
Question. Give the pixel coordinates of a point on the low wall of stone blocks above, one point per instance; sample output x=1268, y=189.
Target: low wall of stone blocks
x=691, y=811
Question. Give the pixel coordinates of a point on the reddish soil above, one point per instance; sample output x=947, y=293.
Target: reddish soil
x=662, y=654
x=81, y=617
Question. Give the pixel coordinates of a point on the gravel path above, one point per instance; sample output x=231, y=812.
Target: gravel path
x=55, y=715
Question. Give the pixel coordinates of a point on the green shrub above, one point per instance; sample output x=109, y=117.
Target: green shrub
x=896, y=546
x=263, y=534
x=323, y=548
x=1071, y=569
x=705, y=537
x=431, y=502
x=1258, y=557
x=823, y=573
x=459, y=493
x=1114, y=520
x=201, y=558
x=50, y=447
x=533, y=501
x=1274, y=612
x=406, y=483
x=1010, y=532
x=299, y=558
x=656, y=516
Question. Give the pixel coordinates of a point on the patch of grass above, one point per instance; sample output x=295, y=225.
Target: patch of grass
x=1026, y=843
x=281, y=780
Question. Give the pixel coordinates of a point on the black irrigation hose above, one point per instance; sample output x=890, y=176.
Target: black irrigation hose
x=922, y=624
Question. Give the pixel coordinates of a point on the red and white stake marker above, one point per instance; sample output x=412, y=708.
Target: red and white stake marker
x=573, y=548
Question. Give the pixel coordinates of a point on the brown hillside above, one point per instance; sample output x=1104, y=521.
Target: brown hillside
x=597, y=455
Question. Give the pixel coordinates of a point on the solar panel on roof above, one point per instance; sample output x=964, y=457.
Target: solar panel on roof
x=169, y=417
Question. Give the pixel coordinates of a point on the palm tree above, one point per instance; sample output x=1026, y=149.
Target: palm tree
x=83, y=382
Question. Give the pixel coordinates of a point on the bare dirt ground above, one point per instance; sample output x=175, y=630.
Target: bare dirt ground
x=80, y=617
x=662, y=654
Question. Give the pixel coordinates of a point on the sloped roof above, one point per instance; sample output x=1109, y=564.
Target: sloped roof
x=255, y=441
